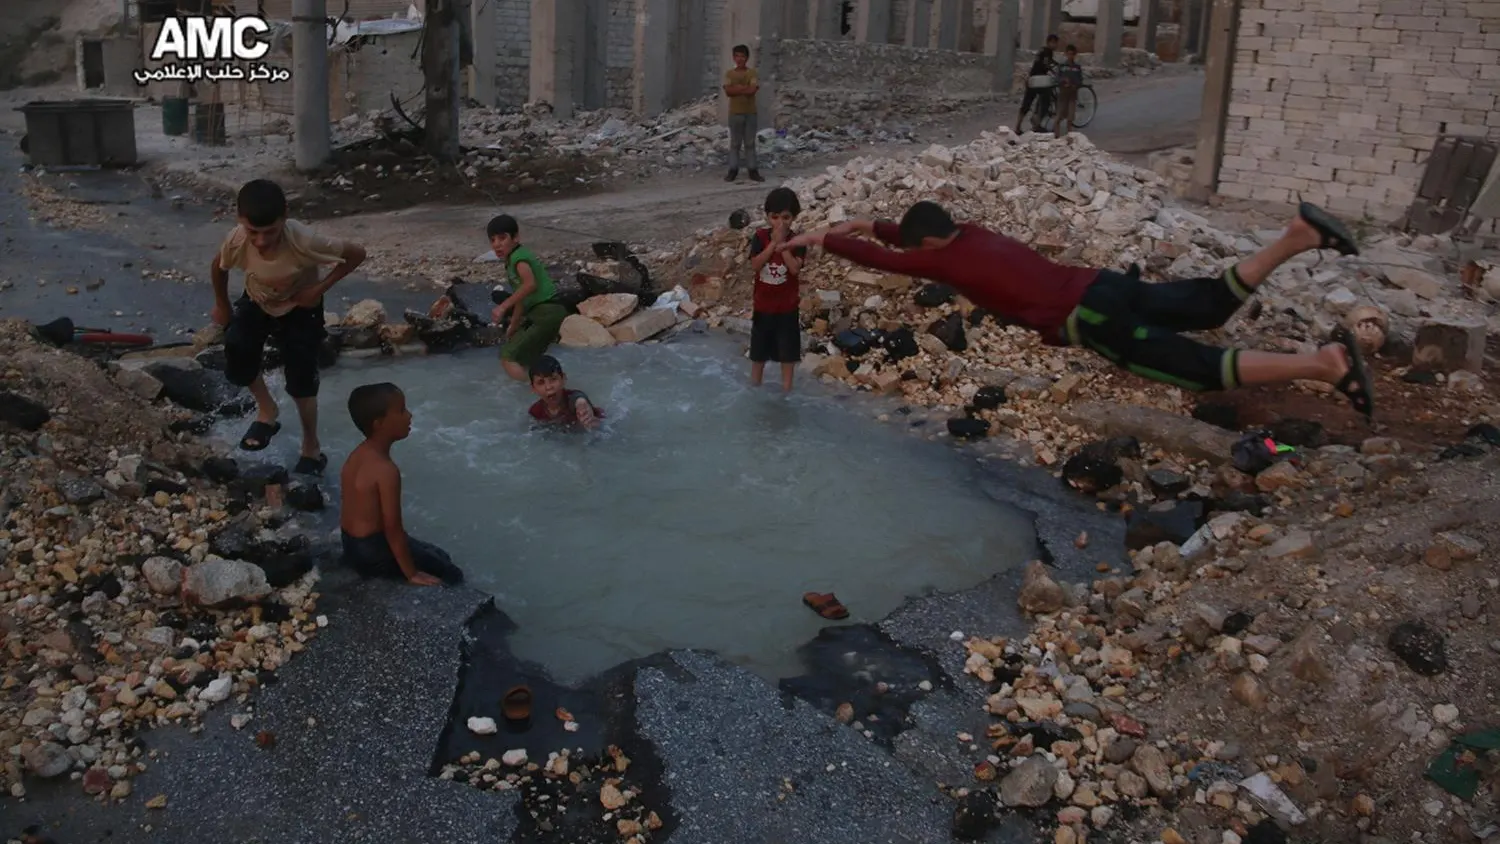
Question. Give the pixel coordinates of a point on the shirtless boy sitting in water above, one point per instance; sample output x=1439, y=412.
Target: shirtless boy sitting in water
x=375, y=542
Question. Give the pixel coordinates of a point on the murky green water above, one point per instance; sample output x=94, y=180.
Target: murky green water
x=696, y=517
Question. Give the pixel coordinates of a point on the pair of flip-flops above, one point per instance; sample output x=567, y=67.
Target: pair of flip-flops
x=258, y=437
x=1356, y=385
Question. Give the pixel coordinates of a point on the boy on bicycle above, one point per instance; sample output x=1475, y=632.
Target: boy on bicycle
x=1039, y=86
x=1069, y=79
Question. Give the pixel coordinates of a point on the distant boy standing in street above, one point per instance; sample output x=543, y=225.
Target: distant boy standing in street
x=1069, y=80
x=1039, y=85
x=775, y=326
x=536, y=316
x=741, y=84
x=283, y=296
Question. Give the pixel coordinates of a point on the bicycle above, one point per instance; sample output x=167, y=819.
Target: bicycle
x=62, y=332
x=1083, y=112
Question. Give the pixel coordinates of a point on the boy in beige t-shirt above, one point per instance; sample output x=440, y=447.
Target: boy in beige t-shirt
x=283, y=297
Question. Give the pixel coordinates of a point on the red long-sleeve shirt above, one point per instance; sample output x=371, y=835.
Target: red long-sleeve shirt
x=991, y=270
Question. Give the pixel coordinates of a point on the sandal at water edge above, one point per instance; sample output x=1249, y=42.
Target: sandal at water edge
x=1356, y=383
x=311, y=465
x=516, y=705
x=826, y=605
x=259, y=435
x=1336, y=235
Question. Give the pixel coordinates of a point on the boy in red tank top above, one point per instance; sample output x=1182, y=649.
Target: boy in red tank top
x=775, y=325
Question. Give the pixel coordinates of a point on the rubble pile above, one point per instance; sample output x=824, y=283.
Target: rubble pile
x=688, y=137
x=1270, y=664
x=141, y=583
x=897, y=335
x=551, y=791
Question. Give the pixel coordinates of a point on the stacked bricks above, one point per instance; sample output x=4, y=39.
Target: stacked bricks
x=1339, y=101
x=619, y=50
x=512, y=53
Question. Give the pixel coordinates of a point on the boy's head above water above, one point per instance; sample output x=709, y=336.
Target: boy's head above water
x=505, y=235
x=782, y=206
x=927, y=226
x=547, y=377
x=379, y=411
x=261, y=206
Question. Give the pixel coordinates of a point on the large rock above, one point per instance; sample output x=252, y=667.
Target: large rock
x=203, y=390
x=20, y=412
x=1040, y=594
x=218, y=582
x=1424, y=284
x=365, y=314
x=644, y=325
x=163, y=575
x=609, y=308
x=1449, y=345
x=1173, y=432
x=140, y=382
x=580, y=332
x=1030, y=784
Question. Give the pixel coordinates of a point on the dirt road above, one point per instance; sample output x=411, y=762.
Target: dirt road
x=438, y=241
x=1135, y=116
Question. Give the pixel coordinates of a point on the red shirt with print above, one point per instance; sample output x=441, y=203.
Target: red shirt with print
x=776, y=286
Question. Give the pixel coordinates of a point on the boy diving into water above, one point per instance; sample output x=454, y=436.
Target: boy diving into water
x=374, y=538
x=1130, y=322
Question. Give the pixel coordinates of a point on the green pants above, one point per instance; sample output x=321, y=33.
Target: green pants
x=539, y=329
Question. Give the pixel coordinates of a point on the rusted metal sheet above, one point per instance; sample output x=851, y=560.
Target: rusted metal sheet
x=1456, y=172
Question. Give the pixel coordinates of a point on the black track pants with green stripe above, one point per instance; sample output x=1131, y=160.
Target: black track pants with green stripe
x=1135, y=324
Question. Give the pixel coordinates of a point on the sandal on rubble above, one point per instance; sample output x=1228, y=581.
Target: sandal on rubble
x=311, y=465
x=259, y=435
x=826, y=605
x=1336, y=235
x=516, y=705
x=1356, y=383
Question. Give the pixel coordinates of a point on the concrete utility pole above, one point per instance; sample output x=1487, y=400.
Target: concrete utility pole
x=310, y=83
x=440, y=70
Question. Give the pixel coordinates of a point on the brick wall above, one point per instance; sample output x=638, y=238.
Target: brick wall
x=619, y=49
x=512, y=52
x=713, y=45
x=1340, y=100
x=899, y=10
x=840, y=83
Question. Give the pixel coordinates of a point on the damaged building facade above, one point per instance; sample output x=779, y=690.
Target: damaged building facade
x=819, y=60
x=1369, y=107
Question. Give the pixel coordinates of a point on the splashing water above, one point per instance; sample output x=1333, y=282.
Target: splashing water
x=696, y=517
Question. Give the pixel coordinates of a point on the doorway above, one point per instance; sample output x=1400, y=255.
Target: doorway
x=93, y=65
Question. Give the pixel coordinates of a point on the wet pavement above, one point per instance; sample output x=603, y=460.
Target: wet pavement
x=364, y=719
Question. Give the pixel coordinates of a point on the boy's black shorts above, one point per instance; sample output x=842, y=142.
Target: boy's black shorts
x=775, y=337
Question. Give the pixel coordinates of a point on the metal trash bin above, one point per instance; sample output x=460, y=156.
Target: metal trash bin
x=80, y=133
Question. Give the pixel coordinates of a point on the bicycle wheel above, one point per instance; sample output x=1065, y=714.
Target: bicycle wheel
x=1083, y=111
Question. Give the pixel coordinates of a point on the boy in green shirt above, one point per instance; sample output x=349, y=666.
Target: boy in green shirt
x=536, y=316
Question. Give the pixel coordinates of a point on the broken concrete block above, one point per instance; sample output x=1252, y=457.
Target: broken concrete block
x=706, y=289
x=609, y=308
x=580, y=332
x=644, y=325
x=1424, y=284
x=1449, y=345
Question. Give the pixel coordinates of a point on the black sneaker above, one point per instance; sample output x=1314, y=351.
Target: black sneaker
x=755, y=176
x=734, y=173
